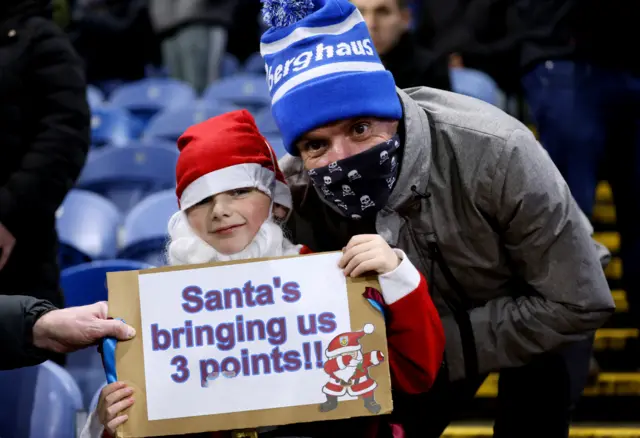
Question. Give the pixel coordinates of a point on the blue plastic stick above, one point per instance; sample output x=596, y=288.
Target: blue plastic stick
x=109, y=357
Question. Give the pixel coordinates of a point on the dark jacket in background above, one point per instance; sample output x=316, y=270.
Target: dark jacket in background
x=476, y=29
x=44, y=138
x=169, y=16
x=600, y=32
x=18, y=314
x=115, y=39
x=414, y=66
x=247, y=28
x=505, y=38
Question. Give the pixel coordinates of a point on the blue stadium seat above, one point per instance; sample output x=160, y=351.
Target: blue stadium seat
x=153, y=141
x=144, y=235
x=128, y=175
x=230, y=65
x=87, y=284
x=254, y=64
x=87, y=226
x=276, y=143
x=170, y=125
x=39, y=402
x=266, y=123
x=95, y=96
x=244, y=90
x=110, y=126
x=474, y=83
x=145, y=98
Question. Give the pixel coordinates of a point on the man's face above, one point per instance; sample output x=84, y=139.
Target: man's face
x=343, y=139
x=386, y=22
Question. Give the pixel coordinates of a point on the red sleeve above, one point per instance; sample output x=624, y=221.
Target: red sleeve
x=372, y=359
x=333, y=365
x=305, y=250
x=416, y=340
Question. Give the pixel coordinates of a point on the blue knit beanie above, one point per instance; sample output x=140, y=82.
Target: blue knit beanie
x=322, y=67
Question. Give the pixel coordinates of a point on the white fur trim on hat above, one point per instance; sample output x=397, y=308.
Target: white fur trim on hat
x=235, y=177
x=343, y=350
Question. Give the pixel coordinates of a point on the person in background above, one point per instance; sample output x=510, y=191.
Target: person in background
x=194, y=37
x=411, y=65
x=470, y=196
x=233, y=199
x=44, y=139
x=580, y=71
x=115, y=40
x=473, y=34
x=32, y=329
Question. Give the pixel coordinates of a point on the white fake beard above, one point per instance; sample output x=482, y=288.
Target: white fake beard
x=186, y=248
x=347, y=373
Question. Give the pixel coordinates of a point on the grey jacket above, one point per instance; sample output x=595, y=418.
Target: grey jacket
x=168, y=15
x=502, y=217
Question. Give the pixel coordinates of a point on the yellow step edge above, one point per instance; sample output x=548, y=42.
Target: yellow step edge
x=613, y=271
x=605, y=214
x=617, y=333
x=620, y=299
x=576, y=431
x=603, y=192
x=607, y=384
x=614, y=338
x=609, y=239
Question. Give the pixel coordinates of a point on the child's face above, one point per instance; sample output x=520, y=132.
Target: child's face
x=230, y=220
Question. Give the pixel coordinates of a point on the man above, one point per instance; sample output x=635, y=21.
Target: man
x=388, y=22
x=194, y=37
x=44, y=138
x=32, y=329
x=466, y=191
x=584, y=71
x=115, y=39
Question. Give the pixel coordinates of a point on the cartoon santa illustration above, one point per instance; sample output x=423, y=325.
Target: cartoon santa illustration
x=348, y=370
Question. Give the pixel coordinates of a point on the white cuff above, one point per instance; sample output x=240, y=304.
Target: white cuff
x=93, y=428
x=401, y=281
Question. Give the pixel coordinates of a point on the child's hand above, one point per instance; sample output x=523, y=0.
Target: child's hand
x=114, y=398
x=368, y=252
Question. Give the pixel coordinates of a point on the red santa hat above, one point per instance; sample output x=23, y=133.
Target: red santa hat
x=224, y=153
x=348, y=342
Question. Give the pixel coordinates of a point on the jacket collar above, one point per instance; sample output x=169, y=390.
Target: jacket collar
x=416, y=154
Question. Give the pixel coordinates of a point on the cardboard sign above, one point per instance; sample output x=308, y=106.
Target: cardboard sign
x=246, y=344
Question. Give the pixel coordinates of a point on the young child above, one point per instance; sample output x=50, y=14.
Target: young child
x=232, y=198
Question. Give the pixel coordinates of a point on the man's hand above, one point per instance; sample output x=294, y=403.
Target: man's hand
x=366, y=253
x=455, y=61
x=67, y=330
x=7, y=242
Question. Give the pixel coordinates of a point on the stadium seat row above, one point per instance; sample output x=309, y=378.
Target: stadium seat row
x=90, y=227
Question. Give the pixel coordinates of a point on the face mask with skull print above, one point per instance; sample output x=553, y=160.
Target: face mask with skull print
x=360, y=185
